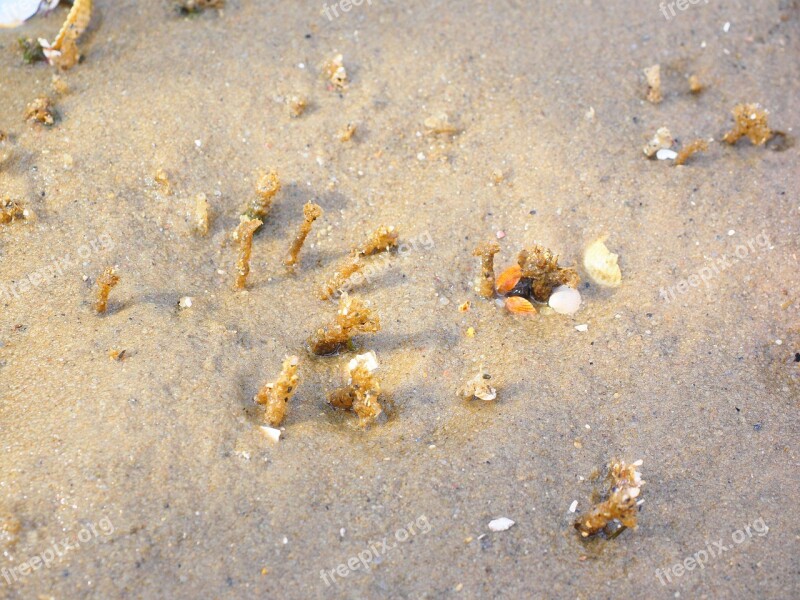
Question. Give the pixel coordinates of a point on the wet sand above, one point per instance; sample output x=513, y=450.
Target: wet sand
x=163, y=447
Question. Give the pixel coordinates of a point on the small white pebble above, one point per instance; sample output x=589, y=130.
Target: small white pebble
x=582, y=328
x=666, y=154
x=185, y=302
x=198, y=143
x=500, y=524
x=727, y=27
x=500, y=234
x=421, y=156
x=342, y=531
x=285, y=540
x=574, y=506
x=778, y=342
x=731, y=232
x=301, y=65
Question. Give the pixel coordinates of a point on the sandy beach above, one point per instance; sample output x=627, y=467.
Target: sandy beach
x=134, y=463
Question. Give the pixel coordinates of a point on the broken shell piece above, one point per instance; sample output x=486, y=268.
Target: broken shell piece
x=501, y=524
x=508, y=279
x=335, y=72
x=479, y=387
x=666, y=154
x=272, y=433
x=518, y=305
x=565, y=300
x=662, y=139
x=601, y=264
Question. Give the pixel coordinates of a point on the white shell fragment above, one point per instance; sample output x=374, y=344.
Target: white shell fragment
x=368, y=360
x=500, y=524
x=14, y=13
x=273, y=434
x=565, y=300
x=666, y=154
x=662, y=139
x=601, y=264
x=478, y=387
x=574, y=506
x=582, y=328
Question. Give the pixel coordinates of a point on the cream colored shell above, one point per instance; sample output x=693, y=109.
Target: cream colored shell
x=601, y=264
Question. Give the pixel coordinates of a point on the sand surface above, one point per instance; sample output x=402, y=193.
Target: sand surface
x=161, y=452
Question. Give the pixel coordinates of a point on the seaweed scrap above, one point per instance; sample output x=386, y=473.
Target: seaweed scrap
x=32, y=51
x=311, y=212
x=362, y=390
x=353, y=317
x=749, y=120
x=540, y=266
x=244, y=233
x=275, y=396
x=620, y=505
x=107, y=280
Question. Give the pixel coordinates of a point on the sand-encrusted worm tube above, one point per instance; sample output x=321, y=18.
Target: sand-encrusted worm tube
x=244, y=233
x=107, y=280
x=311, y=212
x=275, y=396
x=486, y=252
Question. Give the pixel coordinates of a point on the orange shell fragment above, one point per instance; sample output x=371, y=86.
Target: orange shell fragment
x=508, y=279
x=520, y=306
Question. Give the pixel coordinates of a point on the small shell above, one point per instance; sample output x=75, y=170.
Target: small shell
x=601, y=264
x=508, y=279
x=520, y=306
x=662, y=139
x=565, y=300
